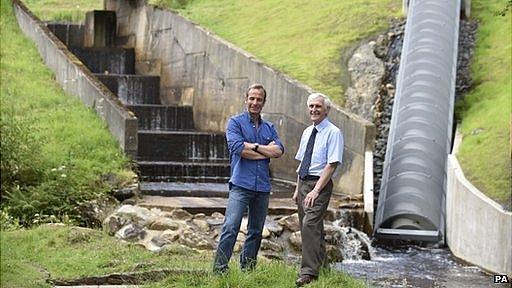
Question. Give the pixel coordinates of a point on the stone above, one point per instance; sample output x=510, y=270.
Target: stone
x=243, y=225
x=163, y=223
x=273, y=227
x=136, y=214
x=195, y=240
x=200, y=216
x=201, y=224
x=94, y=212
x=113, y=223
x=131, y=232
x=296, y=240
x=170, y=235
x=217, y=215
x=180, y=214
x=333, y=253
x=215, y=221
x=265, y=233
x=270, y=245
x=290, y=222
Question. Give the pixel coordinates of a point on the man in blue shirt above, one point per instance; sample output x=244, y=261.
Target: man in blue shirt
x=252, y=141
x=320, y=153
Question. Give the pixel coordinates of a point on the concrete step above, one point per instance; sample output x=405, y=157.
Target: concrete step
x=163, y=118
x=174, y=189
x=110, y=60
x=208, y=205
x=189, y=146
x=171, y=171
x=133, y=89
x=69, y=33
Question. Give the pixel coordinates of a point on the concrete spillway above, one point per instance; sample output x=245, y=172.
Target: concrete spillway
x=411, y=202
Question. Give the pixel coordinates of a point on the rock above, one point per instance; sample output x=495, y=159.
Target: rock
x=136, y=214
x=270, y=245
x=195, y=240
x=243, y=225
x=265, y=233
x=296, y=240
x=170, y=236
x=215, y=221
x=201, y=224
x=290, y=222
x=131, y=232
x=163, y=223
x=94, y=212
x=333, y=253
x=113, y=223
x=200, y=216
x=126, y=192
x=274, y=228
x=217, y=215
x=180, y=214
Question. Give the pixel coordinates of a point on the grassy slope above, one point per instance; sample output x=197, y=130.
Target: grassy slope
x=67, y=133
x=65, y=253
x=485, y=150
x=304, y=39
x=59, y=10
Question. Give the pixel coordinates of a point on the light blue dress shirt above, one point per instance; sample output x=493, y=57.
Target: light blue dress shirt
x=328, y=147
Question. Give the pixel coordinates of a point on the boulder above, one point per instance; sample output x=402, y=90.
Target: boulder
x=290, y=222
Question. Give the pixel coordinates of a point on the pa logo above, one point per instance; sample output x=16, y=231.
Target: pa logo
x=500, y=279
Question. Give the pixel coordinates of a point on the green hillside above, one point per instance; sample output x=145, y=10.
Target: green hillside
x=55, y=152
x=486, y=112
x=304, y=39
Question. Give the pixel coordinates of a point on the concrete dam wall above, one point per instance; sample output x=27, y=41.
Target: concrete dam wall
x=199, y=69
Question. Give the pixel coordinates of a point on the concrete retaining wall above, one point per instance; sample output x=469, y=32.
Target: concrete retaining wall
x=198, y=68
x=478, y=230
x=77, y=80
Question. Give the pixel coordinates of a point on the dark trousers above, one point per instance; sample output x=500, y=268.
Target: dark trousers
x=312, y=227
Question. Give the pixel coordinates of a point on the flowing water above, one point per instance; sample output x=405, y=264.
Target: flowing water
x=413, y=266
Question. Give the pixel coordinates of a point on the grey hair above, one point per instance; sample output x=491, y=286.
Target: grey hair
x=313, y=96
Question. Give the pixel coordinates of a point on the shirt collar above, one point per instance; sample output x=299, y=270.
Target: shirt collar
x=322, y=125
x=248, y=117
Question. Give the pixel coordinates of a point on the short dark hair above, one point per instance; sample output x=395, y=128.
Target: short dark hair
x=258, y=87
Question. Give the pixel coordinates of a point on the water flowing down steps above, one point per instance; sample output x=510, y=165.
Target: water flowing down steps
x=179, y=166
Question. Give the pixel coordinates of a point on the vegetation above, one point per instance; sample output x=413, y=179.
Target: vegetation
x=64, y=252
x=55, y=152
x=58, y=10
x=307, y=40
x=485, y=152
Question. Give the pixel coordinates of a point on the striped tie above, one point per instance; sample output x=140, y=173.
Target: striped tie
x=306, y=160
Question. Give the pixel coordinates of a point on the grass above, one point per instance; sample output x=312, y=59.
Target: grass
x=485, y=152
x=58, y=10
x=65, y=253
x=307, y=40
x=65, y=148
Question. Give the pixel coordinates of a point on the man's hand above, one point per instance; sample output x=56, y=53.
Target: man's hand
x=310, y=198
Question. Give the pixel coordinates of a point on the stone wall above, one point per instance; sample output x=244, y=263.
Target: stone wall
x=478, y=230
x=198, y=68
x=77, y=80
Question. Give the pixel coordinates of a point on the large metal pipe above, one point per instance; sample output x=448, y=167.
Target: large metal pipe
x=412, y=195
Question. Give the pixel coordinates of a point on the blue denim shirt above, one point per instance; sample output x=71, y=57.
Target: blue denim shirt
x=249, y=174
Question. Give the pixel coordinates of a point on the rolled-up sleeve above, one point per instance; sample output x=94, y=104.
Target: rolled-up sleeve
x=234, y=137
